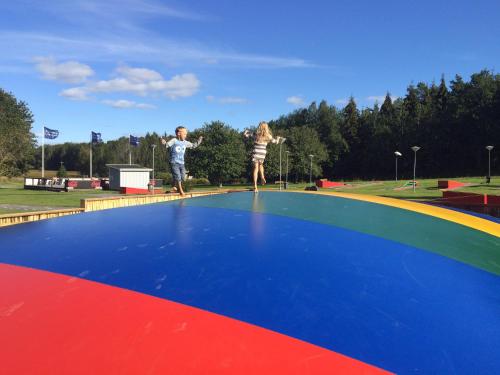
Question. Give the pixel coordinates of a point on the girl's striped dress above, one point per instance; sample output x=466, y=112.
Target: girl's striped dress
x=260, y=149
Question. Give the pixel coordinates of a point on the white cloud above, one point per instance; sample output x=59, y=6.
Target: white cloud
x=69, y=72
x=232, y=100
x=141, y=82
x=139, y=46
x=116, y=10
x=122, y=103
x=295, y=100
x=181, y=86
x=75, y=93
x=139, y=74
x=226, y=100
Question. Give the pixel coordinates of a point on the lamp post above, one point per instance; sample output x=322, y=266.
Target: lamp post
x=415, y=149
x=311, y=169
x=398, y=154
x=281, y=141
x=489, y=148
x=286, y=176
x=153, y=146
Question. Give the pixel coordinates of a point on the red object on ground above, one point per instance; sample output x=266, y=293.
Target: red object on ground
x=57, y=324
x=493, y=200
x=127, y=190
x=449, y=184
x=464, y=198
x=328, y=184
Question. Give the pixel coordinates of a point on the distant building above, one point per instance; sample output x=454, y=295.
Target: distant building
x=128, y=176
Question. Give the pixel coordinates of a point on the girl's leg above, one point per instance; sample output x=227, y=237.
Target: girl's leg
x=255, y=174
x=261, y=170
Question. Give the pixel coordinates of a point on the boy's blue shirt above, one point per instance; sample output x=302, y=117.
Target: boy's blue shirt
x=178, y=149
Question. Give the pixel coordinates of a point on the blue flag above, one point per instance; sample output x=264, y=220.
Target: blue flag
x=134, y=141
x=96, y=137
x=50, y=133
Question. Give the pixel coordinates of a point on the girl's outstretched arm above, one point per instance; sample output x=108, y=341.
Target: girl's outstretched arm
x=278, y=140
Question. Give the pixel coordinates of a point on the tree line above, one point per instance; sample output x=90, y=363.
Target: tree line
x=452, y=125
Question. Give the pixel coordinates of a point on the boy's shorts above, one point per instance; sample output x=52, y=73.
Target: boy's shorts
x=178, y=171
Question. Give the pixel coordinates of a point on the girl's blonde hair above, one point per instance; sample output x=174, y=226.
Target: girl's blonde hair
x=263, y=133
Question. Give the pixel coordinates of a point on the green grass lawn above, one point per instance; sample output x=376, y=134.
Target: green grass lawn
x=13, y=198
x=30, y=200
x=426, y=188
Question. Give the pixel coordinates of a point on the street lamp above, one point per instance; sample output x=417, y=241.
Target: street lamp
x=489, y=148
x=398, y=154
x=281, y=140
x=311, y=169
x=286, y=178
x=153, y=146
x=415, y=149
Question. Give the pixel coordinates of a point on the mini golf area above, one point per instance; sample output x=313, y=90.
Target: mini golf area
x=243, y=283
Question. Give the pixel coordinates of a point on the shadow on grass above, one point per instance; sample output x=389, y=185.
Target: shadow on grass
x=484, y=186
x=414, y=197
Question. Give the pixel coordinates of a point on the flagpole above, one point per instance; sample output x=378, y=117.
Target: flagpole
x=90, y=156
x=129, y=151
x=43, y=152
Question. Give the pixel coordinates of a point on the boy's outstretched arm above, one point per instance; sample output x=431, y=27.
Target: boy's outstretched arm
x=169, y=143
x=194, y=144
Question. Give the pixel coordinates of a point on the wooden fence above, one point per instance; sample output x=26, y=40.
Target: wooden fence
x=96, y=204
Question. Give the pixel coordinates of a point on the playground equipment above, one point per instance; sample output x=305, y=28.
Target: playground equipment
x=275, y=282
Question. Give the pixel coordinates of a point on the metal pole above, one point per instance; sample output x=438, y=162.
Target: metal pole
x=489, y=165
x=129, y=151
x=90, y=175
x=43, y=153
x=396, y=168
x=154, y=181
x=489, y=148
x=286, y=178
x=281, y=144
x=311, y=169
x=414, y=169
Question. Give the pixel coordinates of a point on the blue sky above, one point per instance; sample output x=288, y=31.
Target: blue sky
x=132, y=66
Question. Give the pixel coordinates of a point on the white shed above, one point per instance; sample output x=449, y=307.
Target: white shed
x=128, y=175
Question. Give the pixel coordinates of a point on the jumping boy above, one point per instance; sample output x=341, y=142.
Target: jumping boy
x=178, y=147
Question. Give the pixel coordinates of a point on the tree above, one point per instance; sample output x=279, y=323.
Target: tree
x=329, y=130
x=62, y=171
x=17, y=142
x=220, y=157
x=302, y=142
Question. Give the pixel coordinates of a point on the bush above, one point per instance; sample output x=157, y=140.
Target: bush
x=165, y=176
x=187, y=185
x=199, y=181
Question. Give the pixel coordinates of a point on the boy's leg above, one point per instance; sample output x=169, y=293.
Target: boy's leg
x=179, y=184
x=177, y=176
x=182, y=171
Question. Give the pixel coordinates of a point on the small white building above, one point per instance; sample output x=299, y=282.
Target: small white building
x=128, y=176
